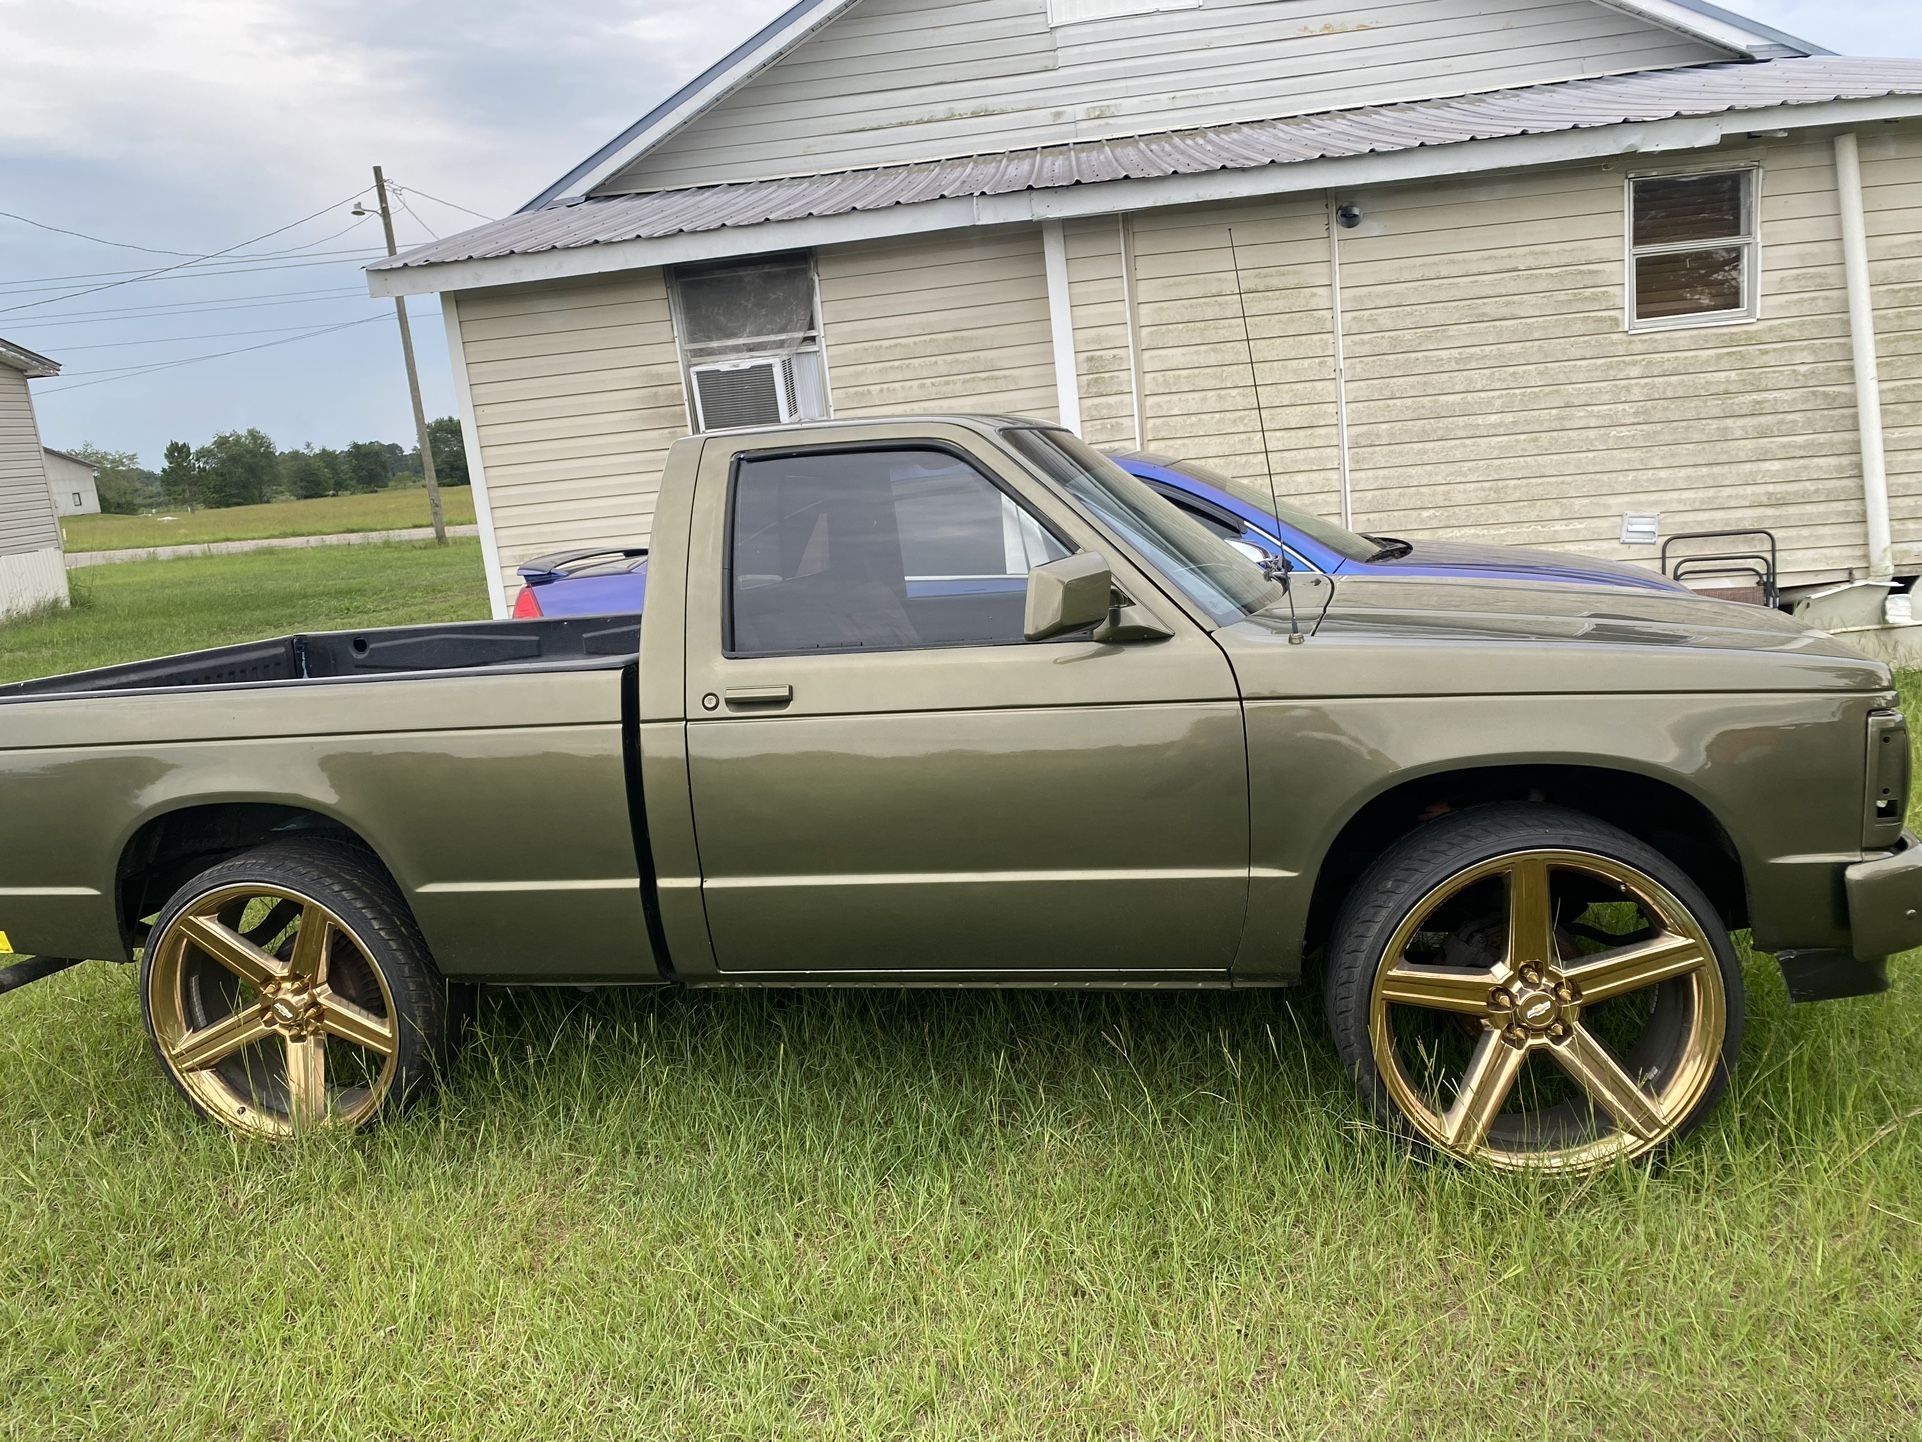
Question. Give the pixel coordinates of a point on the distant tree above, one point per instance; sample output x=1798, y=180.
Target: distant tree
x=123, y=486
x=303, y=476
x=450, y=451
x=370, y=465
x=180, y=476
x=238, y=468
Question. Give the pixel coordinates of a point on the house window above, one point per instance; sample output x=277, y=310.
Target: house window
x=1692, y=249
x=76, y=498
x=751, y=342
x=1068, y=12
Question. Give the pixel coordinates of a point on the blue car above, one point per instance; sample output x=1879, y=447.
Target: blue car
x=1248, y=518
x=613, y=580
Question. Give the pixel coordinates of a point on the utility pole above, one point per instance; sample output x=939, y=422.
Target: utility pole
x=413, y=372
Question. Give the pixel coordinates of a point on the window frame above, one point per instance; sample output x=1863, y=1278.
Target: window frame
x=1749, y=243
x=1126, y=10
x=748, y=354
x=729, y=652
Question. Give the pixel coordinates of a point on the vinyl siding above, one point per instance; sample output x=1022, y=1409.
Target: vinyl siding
x=956, y=322
x=1199, y=390
x=27, y=521
x=1892, y=195
x=32, y=579
x=1098, y=301
x=901, y=80
x=1495, y=395
x=67, y=479
x=577, y=396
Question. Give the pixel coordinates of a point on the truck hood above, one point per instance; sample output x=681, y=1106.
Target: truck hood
x=1451, y=635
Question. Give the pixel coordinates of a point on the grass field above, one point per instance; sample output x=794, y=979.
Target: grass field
x=759, y=1215
x=327, y=516
x=153, y=608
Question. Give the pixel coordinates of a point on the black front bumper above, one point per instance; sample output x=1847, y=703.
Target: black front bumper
x=1885, y=918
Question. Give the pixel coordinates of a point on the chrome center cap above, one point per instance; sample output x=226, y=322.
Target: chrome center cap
x=1538, y=1003
x=290, y=1007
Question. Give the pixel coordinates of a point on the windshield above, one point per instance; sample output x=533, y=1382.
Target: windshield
x=1211, y=573
x=1337, y=538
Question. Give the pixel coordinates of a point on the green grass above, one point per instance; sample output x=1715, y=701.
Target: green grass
x=328, y=516
x=760, y=1215
x=139, y=609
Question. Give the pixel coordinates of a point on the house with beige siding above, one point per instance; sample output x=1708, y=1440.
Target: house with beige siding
x=33, y=566
x=1580, y=273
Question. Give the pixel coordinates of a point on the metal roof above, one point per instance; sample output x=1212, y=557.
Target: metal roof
x=1742, y=37
x=1568, y=105
x=22, y=359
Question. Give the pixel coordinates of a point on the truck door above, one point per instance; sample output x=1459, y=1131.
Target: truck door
x=887, y=780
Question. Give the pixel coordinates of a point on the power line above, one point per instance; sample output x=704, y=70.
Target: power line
x=127, y=373
x=413, y=190
x=24, y=281
x=172, y=339
x=411, y=211
x=213, y=255
x=155, y=250
x=145, y=278
x=253, y=300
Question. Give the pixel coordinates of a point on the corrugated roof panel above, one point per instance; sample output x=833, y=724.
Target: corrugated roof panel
x=1534, y=110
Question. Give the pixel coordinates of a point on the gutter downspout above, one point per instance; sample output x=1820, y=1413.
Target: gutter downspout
x=1868, y=376
x=1067, y=383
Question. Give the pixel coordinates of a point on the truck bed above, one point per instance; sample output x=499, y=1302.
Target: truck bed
x=363, y=655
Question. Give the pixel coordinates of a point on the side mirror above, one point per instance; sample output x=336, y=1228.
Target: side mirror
x=1068, y=595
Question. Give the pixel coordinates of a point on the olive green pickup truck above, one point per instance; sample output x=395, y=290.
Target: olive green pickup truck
x=956, y=702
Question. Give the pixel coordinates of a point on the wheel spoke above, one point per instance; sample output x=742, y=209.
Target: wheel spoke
x=201, y=1049
x=307, y=1080
x=1531, y=913
x=232, y=950
x=354, y=1023
x=1608, y=1086
x=1630, y=968
x=1439, y=990
x=1484, y=1087
x=309, y=959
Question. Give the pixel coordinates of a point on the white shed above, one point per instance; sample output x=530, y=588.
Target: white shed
x=33, y=565
x=75, y=483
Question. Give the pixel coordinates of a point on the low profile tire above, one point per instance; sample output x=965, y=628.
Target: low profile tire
x=288, y=989
x=1527, y=988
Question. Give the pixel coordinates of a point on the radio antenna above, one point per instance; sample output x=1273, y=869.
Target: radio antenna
x=1278, y=567
x=1254, y=372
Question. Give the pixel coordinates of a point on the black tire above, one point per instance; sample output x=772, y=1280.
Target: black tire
x=1423, y=863
x=345, y=879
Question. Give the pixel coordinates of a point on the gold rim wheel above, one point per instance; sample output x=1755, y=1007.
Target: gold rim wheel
x=1463, y=1016
x=271, y=1013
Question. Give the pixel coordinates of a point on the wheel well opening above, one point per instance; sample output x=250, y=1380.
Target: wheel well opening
x=170, y=850
x=1663, y=816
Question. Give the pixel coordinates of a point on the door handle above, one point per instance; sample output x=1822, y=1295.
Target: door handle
x=759, y=695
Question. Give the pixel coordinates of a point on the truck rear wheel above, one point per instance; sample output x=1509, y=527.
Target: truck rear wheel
x=288, y=988
x=1525, y=987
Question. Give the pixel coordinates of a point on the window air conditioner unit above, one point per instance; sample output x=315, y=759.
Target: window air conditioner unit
x=745, y=393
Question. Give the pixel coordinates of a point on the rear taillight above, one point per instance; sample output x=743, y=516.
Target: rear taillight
x=527, y=606
x=1888, y=779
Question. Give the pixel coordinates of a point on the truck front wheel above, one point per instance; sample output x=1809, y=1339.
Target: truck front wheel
x=1525, y=987
x=288, y=988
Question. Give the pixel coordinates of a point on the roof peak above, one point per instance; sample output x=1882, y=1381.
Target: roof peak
x=1699, y=19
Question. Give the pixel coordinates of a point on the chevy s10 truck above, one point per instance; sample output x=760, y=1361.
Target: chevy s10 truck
x=1511, y=825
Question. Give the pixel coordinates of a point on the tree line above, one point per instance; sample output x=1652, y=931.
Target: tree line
x=246, y=468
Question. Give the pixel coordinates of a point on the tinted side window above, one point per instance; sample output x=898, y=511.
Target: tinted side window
x=876, y=550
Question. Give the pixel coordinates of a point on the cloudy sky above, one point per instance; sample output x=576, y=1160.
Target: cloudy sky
x=189, y=126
